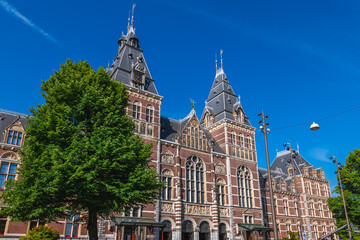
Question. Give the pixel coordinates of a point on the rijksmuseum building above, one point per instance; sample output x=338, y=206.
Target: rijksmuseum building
x=214, y=187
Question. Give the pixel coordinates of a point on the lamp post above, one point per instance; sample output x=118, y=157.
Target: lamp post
x=339, y=167
x=264, y=129
x=292, y=158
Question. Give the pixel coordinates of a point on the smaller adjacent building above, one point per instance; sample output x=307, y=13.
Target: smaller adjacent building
x=297, y=185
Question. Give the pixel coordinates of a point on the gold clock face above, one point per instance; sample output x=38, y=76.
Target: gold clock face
x=137, y=77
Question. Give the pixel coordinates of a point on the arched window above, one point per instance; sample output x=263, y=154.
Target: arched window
x=317, y=189
x=241, y=140
x=136, y=109
x=167, y=178
x=248, y=142
x=195, y=190
x=244, y=186
x=232, y=137
x=149, y=113
x=325, y=191
x=220, y=190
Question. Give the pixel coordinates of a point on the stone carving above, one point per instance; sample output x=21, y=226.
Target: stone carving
x=220, y=168
x=224, y=212
x=167, y=157
x=167, y=207
x=196, y=209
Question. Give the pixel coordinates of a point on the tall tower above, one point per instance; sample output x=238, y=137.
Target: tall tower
x=129, y=67
x=225, y=118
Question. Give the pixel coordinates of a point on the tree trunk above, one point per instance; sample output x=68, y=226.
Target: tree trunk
x=92, y=225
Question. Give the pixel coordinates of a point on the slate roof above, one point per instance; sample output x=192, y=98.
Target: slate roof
x=171, y=130
x=222, y=101
x=7, y=118
x=282, y=158
x=127, y=58
x=278, y=177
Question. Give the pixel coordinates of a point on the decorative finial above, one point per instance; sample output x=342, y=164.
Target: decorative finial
x=239, y=97
x=221, y=52
x=108, y=64
x=216, y=67
x=192, y=104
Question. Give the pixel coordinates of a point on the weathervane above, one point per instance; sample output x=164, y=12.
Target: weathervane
x=192, y=104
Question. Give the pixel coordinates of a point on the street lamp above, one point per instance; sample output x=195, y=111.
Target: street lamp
x=339, y=166
x=292, y=158
x=264, y=129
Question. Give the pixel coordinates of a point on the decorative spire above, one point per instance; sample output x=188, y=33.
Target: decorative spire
x=132, y=15
x=221, y=52
x=131, y=22
x=216, y=67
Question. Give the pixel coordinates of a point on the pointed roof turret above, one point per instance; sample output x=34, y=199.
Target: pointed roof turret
x=129, y=65
x=222, y=102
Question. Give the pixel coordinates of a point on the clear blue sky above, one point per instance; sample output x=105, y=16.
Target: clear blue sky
x=296, y=60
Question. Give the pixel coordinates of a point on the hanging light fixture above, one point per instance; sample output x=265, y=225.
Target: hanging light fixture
x=314, y=126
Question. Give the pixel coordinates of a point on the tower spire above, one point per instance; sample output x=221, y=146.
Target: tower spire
x=216, y=66
x=132, y=15
x=221, y=52
x=131, y=21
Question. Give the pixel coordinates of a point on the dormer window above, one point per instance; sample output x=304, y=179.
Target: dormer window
x=14, y=137
x=130, y=56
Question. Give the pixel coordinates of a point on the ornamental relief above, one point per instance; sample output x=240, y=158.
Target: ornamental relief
x=196, y=209
x=167, y=157
x=220, y=168
x=224, y=212
x=167, y=207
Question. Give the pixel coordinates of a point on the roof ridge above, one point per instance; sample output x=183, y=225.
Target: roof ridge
x=13, y=112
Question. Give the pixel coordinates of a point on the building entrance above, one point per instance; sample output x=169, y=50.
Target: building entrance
x=204, y=233
x=187, y=231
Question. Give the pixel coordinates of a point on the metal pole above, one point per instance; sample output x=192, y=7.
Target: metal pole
x=270, y=180
x=343, y=198
x=297, y=193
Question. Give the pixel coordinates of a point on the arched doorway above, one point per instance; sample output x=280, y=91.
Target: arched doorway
x=204, y=233
x=187, y=230
x=222, y=231
x=167, y=230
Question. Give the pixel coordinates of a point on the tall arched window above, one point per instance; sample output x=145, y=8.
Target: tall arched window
x=136, y=109
x=149, y=113
x=244, y=186
x=167, y=177
x=195, y=190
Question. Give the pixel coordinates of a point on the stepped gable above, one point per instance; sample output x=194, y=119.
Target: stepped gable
x=222, y=102
x=7, y=119
x=129, y=65
x=172, y=129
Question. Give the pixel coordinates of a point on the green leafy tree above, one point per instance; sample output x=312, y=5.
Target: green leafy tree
x=350, y=178
x=41, y=233
x=81, y=154
x=292, y=236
